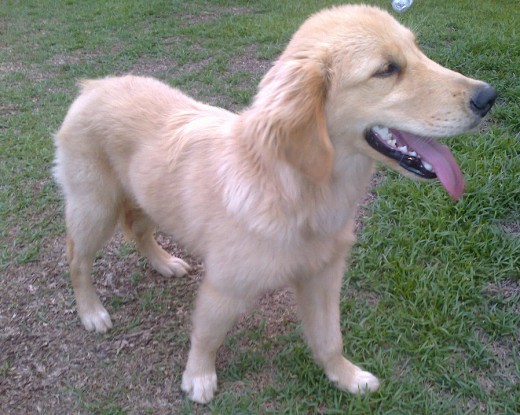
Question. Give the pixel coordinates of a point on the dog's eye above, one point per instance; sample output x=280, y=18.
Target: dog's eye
x=387, y=70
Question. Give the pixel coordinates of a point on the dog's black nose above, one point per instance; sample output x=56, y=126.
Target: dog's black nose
x=483, y=100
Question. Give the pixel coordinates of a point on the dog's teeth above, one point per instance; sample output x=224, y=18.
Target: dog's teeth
x=382, y=132
x=427, y=166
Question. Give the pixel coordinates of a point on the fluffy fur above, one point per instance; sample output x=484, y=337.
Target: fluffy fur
x=267, y=197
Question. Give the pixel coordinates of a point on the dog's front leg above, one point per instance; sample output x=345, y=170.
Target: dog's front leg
x=214, y=314
x=318, y=303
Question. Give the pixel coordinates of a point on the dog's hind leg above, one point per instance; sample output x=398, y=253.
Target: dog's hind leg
x=139, y=227
x=90, y=222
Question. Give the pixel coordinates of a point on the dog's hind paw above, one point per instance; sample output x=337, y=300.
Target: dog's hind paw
x=200, y=389
x=172, y=267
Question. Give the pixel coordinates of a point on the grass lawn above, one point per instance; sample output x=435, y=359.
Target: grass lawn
x=430, y=304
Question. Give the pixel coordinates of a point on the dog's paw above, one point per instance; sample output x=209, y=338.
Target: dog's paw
x=96, y=318
x=199, y=389
x=174, y=266
x=351, y=378
x=362, y=382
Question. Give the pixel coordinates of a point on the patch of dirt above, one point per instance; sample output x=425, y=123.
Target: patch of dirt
x=158, y=67
x=50, y=364
x=74, y=57
x=511, y=227
x=376, y=179
x=504, y=363
x=247, y=62
x=29, y=70
x=8, y=109
x=508, y=290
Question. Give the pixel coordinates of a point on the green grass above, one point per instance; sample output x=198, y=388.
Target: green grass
x=434, y=315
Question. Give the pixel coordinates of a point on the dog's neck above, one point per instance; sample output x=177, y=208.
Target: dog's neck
x=278, y=191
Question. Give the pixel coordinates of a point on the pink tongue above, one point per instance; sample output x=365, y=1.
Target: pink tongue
x=440, y=157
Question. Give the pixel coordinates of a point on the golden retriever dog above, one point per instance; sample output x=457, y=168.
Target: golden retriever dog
x=266, y=197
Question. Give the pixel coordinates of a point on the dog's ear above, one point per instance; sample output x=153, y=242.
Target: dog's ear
x=290, y=117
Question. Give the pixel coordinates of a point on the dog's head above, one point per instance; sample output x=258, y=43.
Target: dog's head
x=353, y=80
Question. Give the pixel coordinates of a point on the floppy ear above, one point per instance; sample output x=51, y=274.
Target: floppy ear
x=290, y=116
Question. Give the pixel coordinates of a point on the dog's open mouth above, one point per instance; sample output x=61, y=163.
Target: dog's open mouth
x=422, y=156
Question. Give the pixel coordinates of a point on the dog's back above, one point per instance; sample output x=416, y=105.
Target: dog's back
x=116, y=112
x=111, y=121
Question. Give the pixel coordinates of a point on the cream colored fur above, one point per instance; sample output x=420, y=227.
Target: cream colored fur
x=268, y=196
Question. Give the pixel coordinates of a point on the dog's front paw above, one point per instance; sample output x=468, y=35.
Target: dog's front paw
x=95, y=318
x=200, y=388
x=362, y=382
x=349, y=377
